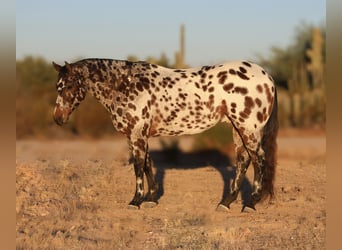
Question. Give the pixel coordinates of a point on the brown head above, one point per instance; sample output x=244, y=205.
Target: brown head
x=70, y=89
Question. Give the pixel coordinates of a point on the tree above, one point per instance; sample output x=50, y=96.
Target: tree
x=284, y=61
x=34, y=74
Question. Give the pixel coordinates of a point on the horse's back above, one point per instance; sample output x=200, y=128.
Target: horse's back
x=193, y=100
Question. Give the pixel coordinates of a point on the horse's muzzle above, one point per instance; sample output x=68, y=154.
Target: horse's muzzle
x=58, y=120
x=60, y=116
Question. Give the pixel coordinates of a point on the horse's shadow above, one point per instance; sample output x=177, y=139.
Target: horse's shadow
x=176, y=159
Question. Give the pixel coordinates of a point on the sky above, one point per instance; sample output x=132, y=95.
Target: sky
x=215, y=30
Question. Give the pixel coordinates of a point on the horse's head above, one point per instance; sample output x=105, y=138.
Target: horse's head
x=70, y=90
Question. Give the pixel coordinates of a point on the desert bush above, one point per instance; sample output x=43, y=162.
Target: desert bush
x=33, y=115
x=91, y=119
x=218, y=137
x=302, y=110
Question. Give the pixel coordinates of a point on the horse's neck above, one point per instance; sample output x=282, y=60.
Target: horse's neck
x=103, y=85
x=101, y=92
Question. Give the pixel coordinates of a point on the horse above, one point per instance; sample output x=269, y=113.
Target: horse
x=146, y=100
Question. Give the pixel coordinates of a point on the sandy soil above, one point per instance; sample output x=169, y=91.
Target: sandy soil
x=74, y=195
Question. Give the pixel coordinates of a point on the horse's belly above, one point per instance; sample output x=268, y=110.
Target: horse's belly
x=185, y=126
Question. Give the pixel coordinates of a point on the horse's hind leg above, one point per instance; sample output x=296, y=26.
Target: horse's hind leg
x=242, y=162
x=258, y=160
x=252, y=142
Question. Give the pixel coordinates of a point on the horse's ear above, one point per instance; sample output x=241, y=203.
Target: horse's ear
x=67, y=66
x=57, y=67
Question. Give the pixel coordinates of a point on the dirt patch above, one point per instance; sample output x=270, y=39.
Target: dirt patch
x=74, y=195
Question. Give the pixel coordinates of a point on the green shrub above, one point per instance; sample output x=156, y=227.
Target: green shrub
x=91, y=119
x=218, y=137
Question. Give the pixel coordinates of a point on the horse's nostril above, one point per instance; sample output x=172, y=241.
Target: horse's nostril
x=58, y=120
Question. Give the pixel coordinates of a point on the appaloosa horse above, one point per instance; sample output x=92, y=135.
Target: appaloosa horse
x=146, y=100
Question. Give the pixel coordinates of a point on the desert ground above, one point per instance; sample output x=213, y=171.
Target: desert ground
x=73, y=194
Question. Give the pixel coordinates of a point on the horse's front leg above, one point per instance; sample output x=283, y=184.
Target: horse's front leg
x=138, y=149
x=142, y=164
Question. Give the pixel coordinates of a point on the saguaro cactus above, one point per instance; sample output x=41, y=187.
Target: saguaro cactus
x=180, y=55
x=306, y=85
x=315, y=66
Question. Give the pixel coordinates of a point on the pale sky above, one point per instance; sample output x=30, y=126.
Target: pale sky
x=216, y=30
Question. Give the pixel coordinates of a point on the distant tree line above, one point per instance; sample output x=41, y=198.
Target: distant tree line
x=299, y=72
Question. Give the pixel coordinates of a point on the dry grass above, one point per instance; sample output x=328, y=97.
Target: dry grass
x=64, y=203
x=64, y=206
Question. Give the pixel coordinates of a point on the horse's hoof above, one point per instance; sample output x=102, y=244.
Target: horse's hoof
x=149, y=204
x=248, y=209
x=133, y=207
x=222, y=208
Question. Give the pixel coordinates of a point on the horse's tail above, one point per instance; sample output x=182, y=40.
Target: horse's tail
x=269, y=145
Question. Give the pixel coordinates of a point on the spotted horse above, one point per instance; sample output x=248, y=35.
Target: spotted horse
x=146, y=100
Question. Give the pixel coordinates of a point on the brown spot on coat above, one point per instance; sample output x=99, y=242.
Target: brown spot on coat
x=242, y=76
x=144, y=131
x=228, y=87
x=243, y=115
x=232, y=72
x=223, y=108
x=140, y=86
x=140, y=143
x=249, y=103
x=258, y=102
x=119, y=111
x=222, y=76
x=260, y=117
x=247, y=64
x=132, y=106
x=243, y=70
x=241, y=90
x=259, y=88
x=144, y=111
x=268, y=93
x=222, y=79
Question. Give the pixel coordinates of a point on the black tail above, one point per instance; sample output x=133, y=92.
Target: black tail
x=269, y=145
